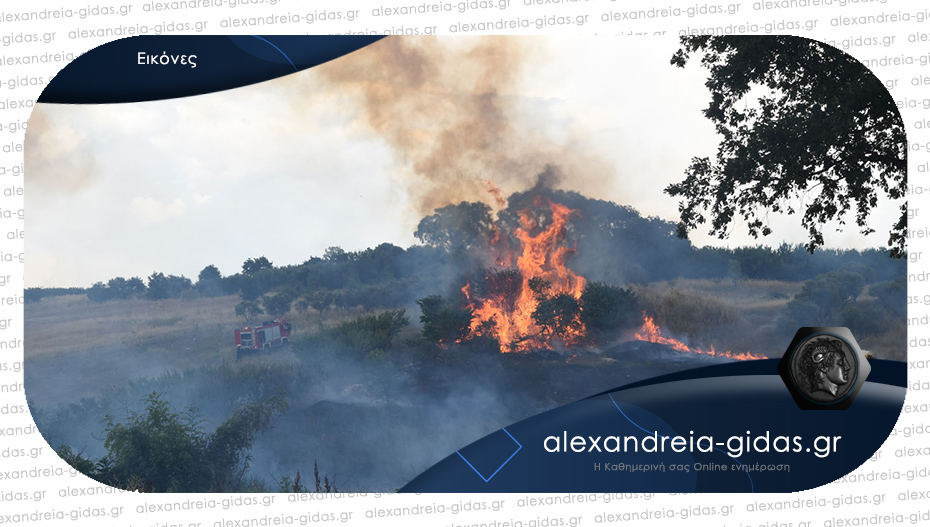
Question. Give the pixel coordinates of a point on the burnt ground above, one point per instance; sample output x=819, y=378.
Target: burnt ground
x=373, y=439
x=371, y=425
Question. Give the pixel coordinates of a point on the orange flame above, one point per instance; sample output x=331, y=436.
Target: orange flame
x=504, y=309
x=495, y=192
x=650, y=333
x=508, y=313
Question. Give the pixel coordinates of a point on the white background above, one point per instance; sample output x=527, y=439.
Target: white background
x=885, y=490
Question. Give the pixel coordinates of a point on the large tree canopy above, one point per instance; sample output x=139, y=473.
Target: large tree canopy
x=824, y=138
x=458, y=227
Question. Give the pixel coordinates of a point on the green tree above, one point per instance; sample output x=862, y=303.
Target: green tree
x=335, y=254
x=162, y=450
x=248, y=309
x=227, y=450
x=252, y=266
x=320, y=301
x=136, y=286
x=171, y=286
x=117, y=287
x=210, y=281
x=892, y=295
x=99, y=292
x=864, y=320
x=277, y=305
x=157, y=287
x=457, y=228
x=825, y=296
x=159, y=446
x=253, y=286
x=826, y=129
x=120, y=288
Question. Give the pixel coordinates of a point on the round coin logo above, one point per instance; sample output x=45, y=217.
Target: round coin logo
x=824, y=368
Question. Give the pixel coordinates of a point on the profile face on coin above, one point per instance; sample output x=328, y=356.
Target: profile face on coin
x=824, y=368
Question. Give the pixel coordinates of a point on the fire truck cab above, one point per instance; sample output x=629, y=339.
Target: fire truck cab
x=251, y=340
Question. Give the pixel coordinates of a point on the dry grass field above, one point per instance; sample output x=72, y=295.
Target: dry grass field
x=743, y=315
x=738, y=316
x=77, y=348
x=172, y=327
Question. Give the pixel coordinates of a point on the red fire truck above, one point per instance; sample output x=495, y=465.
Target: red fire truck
x=256, y=339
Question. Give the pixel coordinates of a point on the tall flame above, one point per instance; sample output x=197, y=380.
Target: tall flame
x=650, y=333
x=503, y=308
x=507, y=309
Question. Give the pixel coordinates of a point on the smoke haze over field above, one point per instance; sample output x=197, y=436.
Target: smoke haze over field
x=370, y=426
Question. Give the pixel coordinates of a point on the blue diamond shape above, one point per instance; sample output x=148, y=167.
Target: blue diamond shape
x=487, y=479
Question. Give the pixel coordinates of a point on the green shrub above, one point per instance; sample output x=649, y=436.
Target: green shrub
x=367, y=333
x=161, y=450
x=557, y=316
x=442, y=322
x=608, y=310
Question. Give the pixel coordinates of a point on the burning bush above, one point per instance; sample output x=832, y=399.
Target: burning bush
x=557, y=318
x=528, y=297
x=599, y=314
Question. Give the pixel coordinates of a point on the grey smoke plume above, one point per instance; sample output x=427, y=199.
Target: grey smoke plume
x=454, y=115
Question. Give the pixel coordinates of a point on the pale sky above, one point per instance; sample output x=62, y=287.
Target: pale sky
x=173, y=186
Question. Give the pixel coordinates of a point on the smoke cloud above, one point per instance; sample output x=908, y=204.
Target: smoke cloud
x=452, y=113
x=58, y=157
